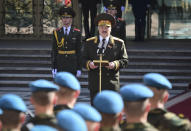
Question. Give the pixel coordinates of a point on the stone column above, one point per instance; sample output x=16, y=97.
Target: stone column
x=78, y=18
x=2, y=18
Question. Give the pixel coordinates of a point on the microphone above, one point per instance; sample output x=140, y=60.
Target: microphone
x=101, y=50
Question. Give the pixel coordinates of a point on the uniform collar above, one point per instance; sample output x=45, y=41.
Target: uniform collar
x=68, y=29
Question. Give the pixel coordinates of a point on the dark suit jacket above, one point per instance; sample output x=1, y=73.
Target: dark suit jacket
x=115, y=52
x=72, y=42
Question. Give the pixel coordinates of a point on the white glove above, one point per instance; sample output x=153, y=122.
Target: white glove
x=105, y=9
x=78, y=74
x=54, y=71
x=122, y=8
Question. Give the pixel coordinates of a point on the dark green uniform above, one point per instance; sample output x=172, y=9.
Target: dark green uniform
x=138, y=127
x=110, y=129
x=115, y=51
x=119, y=30
x=58, y=108
x=167, y=121
x=40, y=120
x=66, y=50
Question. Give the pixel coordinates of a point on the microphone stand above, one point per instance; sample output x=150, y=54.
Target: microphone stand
x=100, y=53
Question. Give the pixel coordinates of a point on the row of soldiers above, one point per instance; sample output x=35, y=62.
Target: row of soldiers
x=136, y=107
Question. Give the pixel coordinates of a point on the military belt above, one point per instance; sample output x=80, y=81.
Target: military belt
x=66, y=52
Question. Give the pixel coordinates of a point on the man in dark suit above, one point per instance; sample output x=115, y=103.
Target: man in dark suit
x=89, y=6
x=113, y=50
x=66, y=45
x=119, y=30
x=139, y=8
x=120, y=6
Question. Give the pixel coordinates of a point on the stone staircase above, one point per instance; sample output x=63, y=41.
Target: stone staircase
x=19, y=66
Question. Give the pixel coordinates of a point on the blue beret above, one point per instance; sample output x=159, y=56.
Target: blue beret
x=43, y=128
x=43, y=85
x=88, y=112
x=71, y=121
x=157, y=80
x=135, y=92
x=12, y=102
x=108, y=102
x=1, y=111
x=68, y=80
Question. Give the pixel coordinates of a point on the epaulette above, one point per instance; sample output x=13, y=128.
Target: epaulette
x=91, y=38
x=118, y=39
x=158, y=111
x=57, y=29
x=77, y=29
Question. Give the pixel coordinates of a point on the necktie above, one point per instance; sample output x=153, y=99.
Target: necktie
x=66, y=31
x=103, y=43
x=102, y=47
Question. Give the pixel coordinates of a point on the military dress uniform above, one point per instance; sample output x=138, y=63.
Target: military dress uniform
x=115, y=51
x=66, y=50
x=168, y=121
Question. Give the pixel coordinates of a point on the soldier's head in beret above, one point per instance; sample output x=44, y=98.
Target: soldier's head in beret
x=69, y=120
x=14, y=110
x=43, y=128
x=69, y=88
x=104, y=22
x=90, y=115
x=160, y=85
x=110, y=105
x=136, y=98
x=43, y=93
x=66, y=14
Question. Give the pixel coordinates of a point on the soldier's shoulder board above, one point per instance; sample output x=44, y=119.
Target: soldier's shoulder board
x=57, y=29
x=75, y=29
x=91, y=38
x=118, y=39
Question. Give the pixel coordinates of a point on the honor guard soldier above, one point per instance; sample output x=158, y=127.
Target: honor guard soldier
x=69, y=91
x=90, y=115
x=66, y=47
x=14, y=110
x=114, y=54
x=89, y=7
x=43, y=99
x=119, y=30
x=110, y=105
x=140, y=8
x=69, y=120
x=159, y=116
x=137, y=105
x=120, y=6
